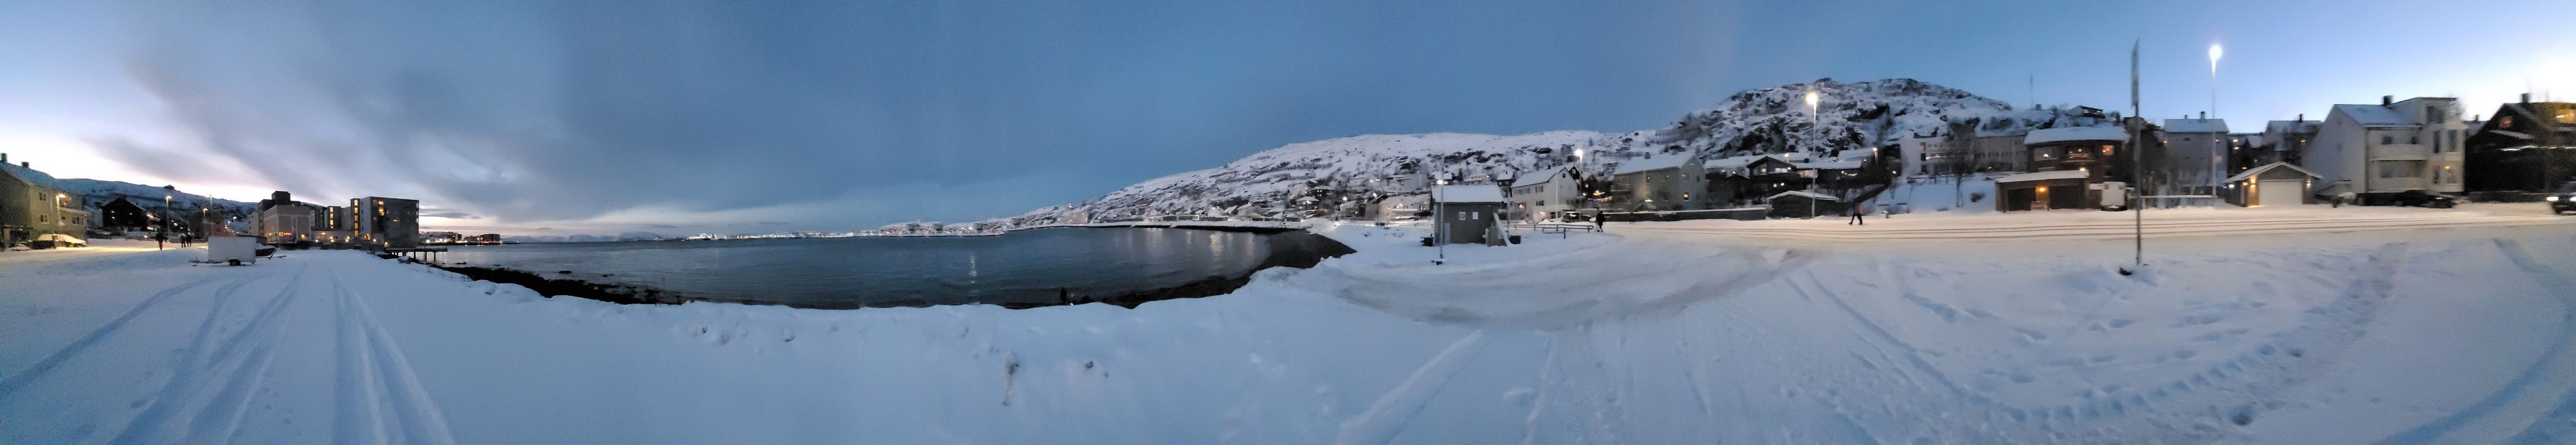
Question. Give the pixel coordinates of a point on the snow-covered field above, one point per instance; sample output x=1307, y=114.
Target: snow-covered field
x=1688, y=335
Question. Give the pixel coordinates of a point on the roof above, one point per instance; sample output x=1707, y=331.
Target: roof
x=1651, y=163
x=1731, y=162
x=2045, y=176
x=2373, y=115
x=1537, y=176
x=30, y=175
x=2064, y=134
x=1468, y=193
x=1807, y=194
x=2301, y=126
x=2267, y=167
x=2195, y=125
x=1832, y=165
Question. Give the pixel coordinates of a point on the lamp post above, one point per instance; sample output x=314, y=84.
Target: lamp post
x=1440, y=221
x=1812, y=101
x=2214, y=53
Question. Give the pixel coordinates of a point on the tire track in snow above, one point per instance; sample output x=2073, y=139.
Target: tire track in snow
x=183, y=391
x=2554, y=364
x=16, y=382
x=378, y=399
x=2290, y=358
x=1386, y=418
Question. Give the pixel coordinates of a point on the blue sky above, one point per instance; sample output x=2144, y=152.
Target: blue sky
x=599, y=117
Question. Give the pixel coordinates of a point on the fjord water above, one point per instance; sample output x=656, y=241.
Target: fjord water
x=1021, y=268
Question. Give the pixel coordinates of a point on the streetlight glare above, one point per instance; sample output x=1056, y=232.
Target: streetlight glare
x=1811, y=99
x=2214, y=52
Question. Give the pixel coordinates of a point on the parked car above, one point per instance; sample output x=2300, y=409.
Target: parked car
x=60, y=240
x=2564, y=200
x=2420, y=198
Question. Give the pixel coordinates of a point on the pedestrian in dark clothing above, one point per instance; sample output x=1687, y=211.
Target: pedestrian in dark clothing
x=160, y=241
x=1856, y=217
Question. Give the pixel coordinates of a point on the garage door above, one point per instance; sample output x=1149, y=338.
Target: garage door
x=2278, y=193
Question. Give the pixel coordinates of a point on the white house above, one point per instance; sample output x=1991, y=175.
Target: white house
x=2372, y=151
x=1544, y=194
x=2195, y=160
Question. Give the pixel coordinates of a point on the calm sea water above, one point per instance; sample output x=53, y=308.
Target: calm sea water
x=1021, y=267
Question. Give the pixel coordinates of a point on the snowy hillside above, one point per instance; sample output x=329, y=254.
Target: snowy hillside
x=1338, y=174
x=96, y=193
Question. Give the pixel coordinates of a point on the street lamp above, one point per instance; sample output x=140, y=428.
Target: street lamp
x=1812, y=101
x=2214, y=53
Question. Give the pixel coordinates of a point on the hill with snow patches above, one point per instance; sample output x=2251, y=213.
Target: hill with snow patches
x=1304, y=176
x=96, y=193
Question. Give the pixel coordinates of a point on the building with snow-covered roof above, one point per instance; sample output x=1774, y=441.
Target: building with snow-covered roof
x=1543, y=194
x=1467, y=214
x=2195, y=158
x=2070, y=168
x=1656, y=183
x=2275, y=185
x=32, y=205
x=2284, y=140
x=2374, y=152
x=2528, y=147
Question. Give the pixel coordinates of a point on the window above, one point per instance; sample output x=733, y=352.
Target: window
x=2436, y=112
x=2401, y=169
x=2566, y=116
x=2414, y=139
x=2387, y=140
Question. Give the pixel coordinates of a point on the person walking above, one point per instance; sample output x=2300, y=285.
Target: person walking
x=1856, y=213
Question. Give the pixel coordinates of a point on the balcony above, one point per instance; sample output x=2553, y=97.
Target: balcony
x=2401, y=151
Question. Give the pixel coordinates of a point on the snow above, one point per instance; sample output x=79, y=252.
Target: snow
x=2411, y=325
x=2250, y=173
x=1468, y=193
x=1537, y=176
x=1846, y=164
x=2373, y=116
x=1774, y=121
x=1807, y=194
x=2065, y=134
x=1651, y=163
x=2044, y=176
x=2195, y=126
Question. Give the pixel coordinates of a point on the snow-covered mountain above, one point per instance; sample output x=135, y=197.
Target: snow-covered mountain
x=97, y=193
x=1322, y=175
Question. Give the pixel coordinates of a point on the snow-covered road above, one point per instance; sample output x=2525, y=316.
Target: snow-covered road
x=2337, y=337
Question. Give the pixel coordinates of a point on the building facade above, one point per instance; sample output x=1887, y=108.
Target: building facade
x=31, y=205
x=2528, y=147
x=2195, y=158
x=2376, y=151
x=1546, y=194
x=1466, y=214
x=387, y=222
x=1669, y=182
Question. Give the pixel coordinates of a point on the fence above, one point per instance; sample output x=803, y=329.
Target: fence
x=1756, y=213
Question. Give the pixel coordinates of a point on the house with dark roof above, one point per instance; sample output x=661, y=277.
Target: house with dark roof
x=2527, y=148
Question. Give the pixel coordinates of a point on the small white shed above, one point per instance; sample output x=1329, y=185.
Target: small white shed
x=224, y=249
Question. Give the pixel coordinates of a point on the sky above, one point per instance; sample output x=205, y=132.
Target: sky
x=557, y=118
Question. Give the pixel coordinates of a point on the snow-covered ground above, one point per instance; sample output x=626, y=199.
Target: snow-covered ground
x=1673, y=336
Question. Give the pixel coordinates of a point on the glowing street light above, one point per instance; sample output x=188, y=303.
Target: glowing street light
x=2214, y=52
